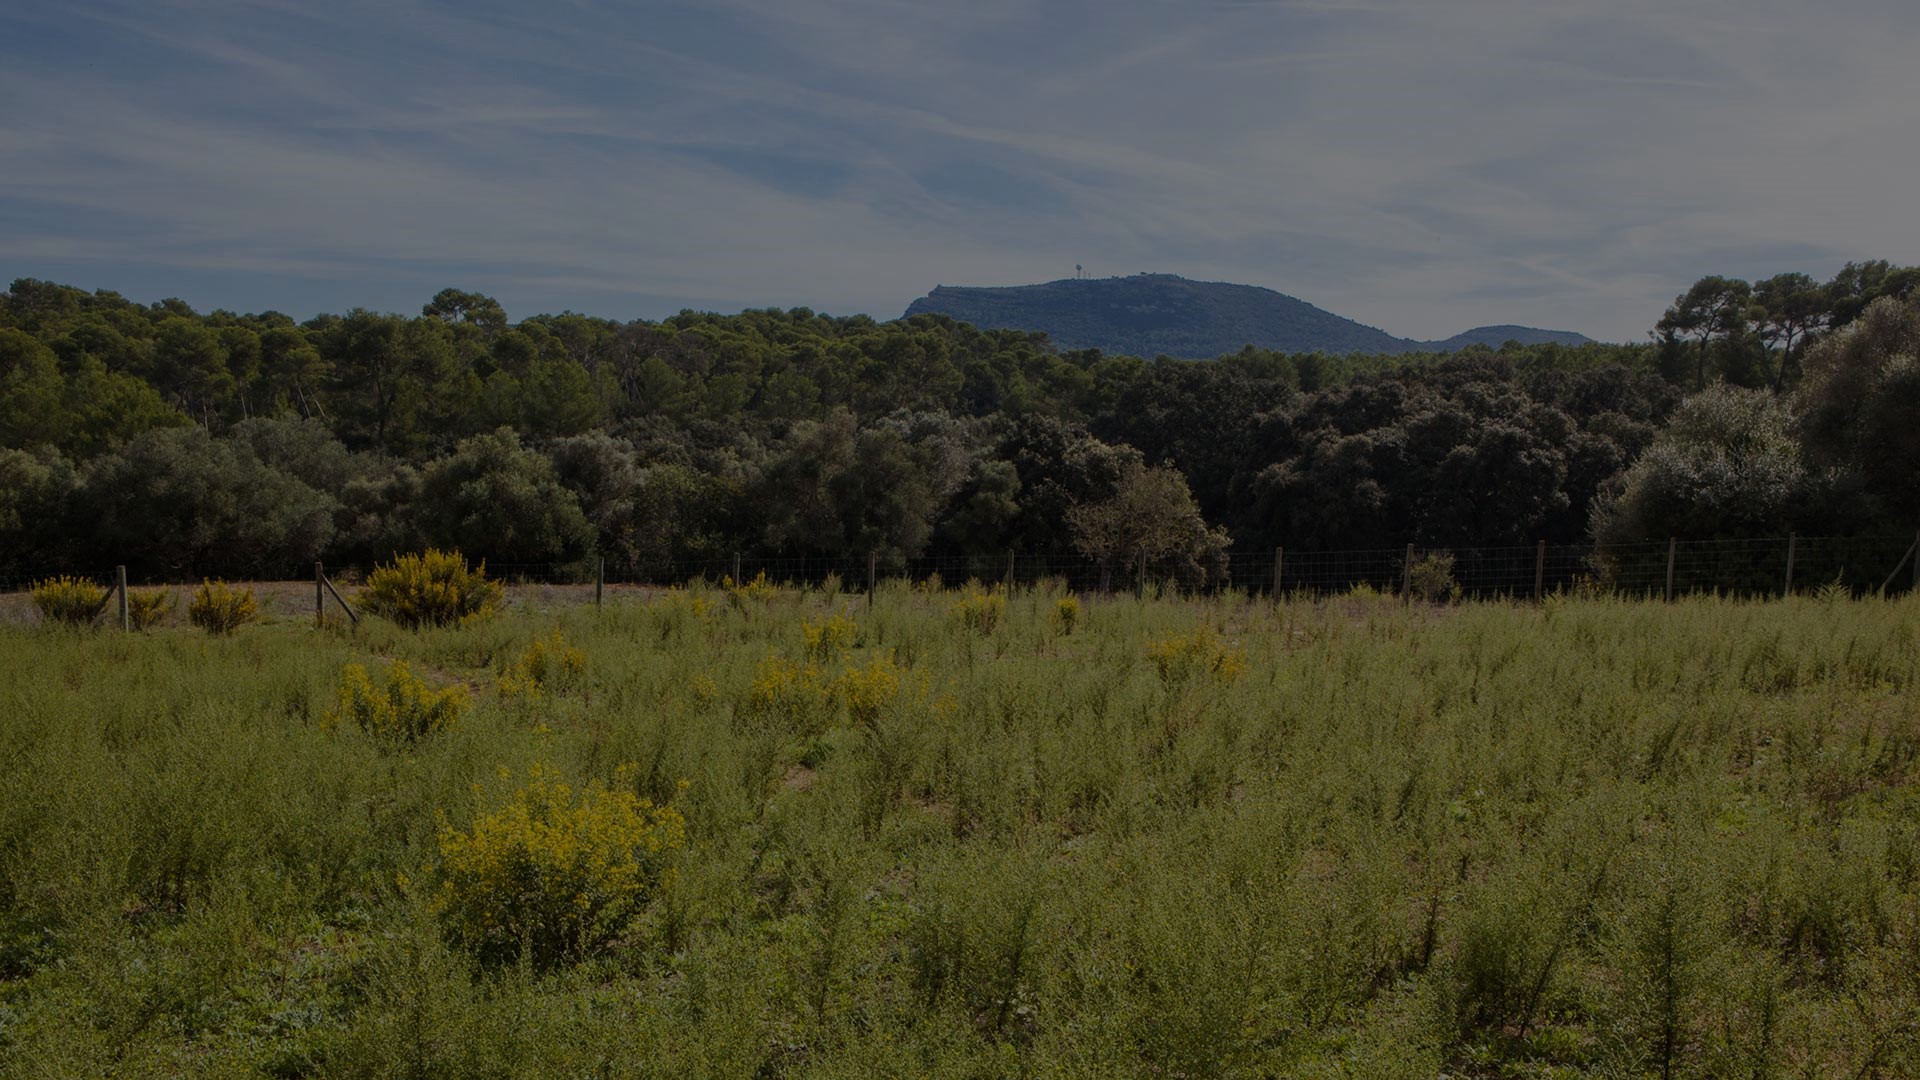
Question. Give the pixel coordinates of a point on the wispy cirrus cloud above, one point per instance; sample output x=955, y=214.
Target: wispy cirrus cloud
x=1420, y=166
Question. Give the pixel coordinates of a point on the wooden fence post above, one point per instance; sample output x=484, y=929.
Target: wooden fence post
x=319, y=594
x=1540, y=570
x=338, y=599
x=599, y=579
x=1010, y=572
x=873, y=570
x=1279, y=564
x=1916, y=564
x=120, y=582
x=736, y=569
x=1406, y=578
x=1792, y=541
x=1673, y=549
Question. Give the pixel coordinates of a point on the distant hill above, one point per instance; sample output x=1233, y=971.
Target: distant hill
x=1151, y=314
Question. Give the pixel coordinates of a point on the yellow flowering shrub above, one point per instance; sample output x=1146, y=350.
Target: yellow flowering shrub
x=404, y=709
x=149, y=608
x=829, y=639
x=436, y=588
x=220, y=608
x=1201, y=653
x=678, y=612
x=549, y=665
x=554, y=871
x=704, y=690
x=759, y=589
x=869, y=690
x=1066, y=614
x=978, y=609
x=786, y=696
x=71, y=601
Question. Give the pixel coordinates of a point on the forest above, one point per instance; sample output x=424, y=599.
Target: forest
x=187, y=443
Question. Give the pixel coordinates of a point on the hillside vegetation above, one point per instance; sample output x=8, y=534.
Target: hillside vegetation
x=185, y=444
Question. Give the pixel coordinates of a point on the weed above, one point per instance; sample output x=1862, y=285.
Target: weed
x=402, y=710
x=434, y=588
x=757, y=591
x=548, y=665
x=220, y=608
x=148, y=608
x=1184, y=656
x=68, y=601
x=554, y=874
x=1431, y=579
x=1066, y=615
x=869, y=690
x=978, y=610
x=829, y=639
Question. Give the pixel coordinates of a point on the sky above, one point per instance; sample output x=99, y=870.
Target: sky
x=1423, y=166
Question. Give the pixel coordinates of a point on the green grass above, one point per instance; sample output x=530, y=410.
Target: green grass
x=1594, y=838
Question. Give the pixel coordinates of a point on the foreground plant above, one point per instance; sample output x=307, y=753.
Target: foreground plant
x=978, y=609
x=434, y=588
x=1201, y=653
x=549, y=665
x=555, y=873
x=403, y=709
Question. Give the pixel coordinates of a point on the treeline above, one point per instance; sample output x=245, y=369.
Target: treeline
x=182, y=443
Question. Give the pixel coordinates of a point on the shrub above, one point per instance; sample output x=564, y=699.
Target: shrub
x=70, y=601
x=437, y=588
x=1066, y=614
x=789, y=697
x=758, y=590
x=869, y=690
x=978, y=609
x=555, y=872
x=220, y=608
x=830, y=638
x=1431, y=577
x=149, y=608
x=403, y=710
x=680, y=611
x=1182, y=657
x=547, y=665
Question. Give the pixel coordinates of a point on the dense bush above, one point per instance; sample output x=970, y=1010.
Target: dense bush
x=148, y=608
x=1431, y=579
x=1200, y=654
x=548, y=665
x=978, y=609
x=434, y=588
x=70, y=601
x=1066, y=614
x=495, y=496
x=402, y=709
x=220, y=608
x=555, y=873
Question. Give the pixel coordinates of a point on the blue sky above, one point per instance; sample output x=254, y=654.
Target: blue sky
x=1421, y=165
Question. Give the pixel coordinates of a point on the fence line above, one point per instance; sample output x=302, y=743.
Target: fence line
x=1753, y=566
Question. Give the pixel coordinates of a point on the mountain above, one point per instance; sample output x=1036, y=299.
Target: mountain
x=1151, y=314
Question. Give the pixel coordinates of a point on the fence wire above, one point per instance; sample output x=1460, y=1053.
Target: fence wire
x=1751, y=567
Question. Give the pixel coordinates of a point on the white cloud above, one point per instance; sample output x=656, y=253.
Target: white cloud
x=1423, y=167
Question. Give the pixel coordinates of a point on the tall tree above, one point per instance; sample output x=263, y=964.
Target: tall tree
x=1711, y=309
x=1787, y=309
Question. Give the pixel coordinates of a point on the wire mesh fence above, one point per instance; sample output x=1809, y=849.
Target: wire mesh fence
x=1748, y=566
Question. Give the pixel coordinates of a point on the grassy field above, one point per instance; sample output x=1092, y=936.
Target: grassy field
x=1328, y=838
